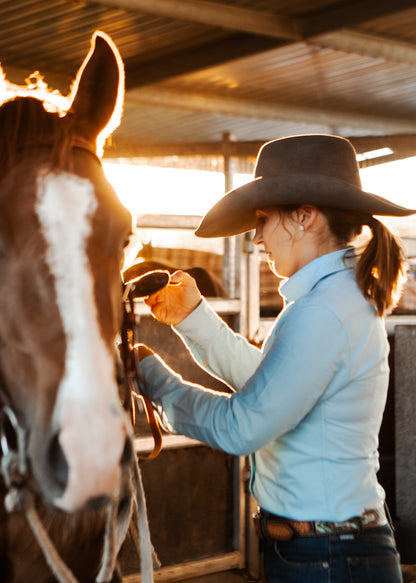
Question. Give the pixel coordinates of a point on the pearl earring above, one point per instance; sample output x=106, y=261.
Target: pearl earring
x=301, y=227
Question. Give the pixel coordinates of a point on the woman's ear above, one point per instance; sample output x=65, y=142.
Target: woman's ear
x=307, y=215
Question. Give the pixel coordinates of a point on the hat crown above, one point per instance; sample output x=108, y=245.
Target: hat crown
x=309, y=155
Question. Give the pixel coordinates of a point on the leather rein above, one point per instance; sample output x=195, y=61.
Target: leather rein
x=131, y=366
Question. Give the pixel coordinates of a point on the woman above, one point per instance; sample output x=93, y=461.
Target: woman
x=308, y=405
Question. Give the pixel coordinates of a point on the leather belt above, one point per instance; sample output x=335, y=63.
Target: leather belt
x=269, y=526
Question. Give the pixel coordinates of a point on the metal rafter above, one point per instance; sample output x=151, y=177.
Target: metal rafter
x=257, y=31
x=235, y=46
x=350, y=14
x=402, y=145
x=270, y=111
x=321, y=28
x=214, y=14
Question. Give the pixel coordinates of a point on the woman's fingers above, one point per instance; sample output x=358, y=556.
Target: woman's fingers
x=176, y=301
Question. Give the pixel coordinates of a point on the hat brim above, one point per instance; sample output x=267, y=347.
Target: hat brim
x=235, y=213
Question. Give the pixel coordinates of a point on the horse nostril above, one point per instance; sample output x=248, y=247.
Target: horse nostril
x=57, y=462
x=127, y=455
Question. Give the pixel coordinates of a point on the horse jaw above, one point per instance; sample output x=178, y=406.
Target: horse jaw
x=87, y=418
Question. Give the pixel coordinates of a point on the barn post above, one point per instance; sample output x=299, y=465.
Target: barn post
x=241, y=276
x=230, y=243
x=405, y=441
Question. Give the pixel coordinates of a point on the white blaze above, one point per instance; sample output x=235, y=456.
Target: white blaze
x=87, y=411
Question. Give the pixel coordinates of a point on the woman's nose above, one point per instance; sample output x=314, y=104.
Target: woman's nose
x=257, y=239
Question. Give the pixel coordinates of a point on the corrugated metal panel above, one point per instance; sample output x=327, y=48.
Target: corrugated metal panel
x=398, y=26
x=300, y=74
x=54, y=36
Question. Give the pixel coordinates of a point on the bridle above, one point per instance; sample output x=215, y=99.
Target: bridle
x=13, y=462
x=131, y=366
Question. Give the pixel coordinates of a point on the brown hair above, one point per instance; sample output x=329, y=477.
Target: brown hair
x=381, y=266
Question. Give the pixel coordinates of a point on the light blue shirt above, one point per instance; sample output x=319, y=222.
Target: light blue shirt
x=308, y=405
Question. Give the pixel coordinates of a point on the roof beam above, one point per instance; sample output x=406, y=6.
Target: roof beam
x=396, y=142
x=374, y=46
x=241, y=45
x=214, y=14
x=235, y=46
x=262, y=23
x=321, y=28
x=403, y=146
x=349, y=14
x=270, y=111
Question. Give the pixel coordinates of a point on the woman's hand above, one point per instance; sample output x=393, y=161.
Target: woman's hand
x=177, y=300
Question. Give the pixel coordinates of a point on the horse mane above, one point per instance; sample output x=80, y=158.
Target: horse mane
x=26, y=124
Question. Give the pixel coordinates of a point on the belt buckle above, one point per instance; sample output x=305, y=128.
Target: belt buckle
x=322, y=527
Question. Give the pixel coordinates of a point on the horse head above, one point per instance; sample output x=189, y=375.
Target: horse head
x=62, y=234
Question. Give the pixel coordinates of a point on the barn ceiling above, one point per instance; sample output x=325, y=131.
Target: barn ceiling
x=206, y=75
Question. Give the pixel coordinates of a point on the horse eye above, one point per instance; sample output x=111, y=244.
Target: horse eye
x=128, y=241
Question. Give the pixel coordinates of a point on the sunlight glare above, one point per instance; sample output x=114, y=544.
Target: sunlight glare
x=171, y=191
x=153, y=190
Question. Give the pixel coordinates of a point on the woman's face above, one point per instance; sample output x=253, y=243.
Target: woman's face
x=280, y=236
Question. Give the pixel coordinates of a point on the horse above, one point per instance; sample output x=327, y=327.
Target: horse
x=66, y=441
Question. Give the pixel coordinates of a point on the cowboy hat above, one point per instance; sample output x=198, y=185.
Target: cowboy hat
x=308, y=169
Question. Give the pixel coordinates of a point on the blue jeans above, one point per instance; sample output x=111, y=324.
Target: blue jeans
x=369, y=556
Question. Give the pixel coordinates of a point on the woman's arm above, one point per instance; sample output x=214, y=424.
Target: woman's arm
x=214, y=345
x=304, y=358
x=217, y=348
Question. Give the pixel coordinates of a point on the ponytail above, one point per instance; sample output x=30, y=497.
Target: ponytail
x=381, y=268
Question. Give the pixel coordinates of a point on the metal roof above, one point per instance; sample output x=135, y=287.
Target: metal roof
x=257, y=69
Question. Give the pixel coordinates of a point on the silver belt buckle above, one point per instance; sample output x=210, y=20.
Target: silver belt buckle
x=331, y=527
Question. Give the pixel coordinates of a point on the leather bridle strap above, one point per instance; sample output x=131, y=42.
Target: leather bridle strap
x=131, y=365
x=84, y=144
x=154, y=428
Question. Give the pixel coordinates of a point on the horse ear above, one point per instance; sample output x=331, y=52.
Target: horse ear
x=3, y=85
x=98, y=91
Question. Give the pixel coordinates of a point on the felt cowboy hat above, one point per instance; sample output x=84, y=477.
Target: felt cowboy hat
x=308, y=169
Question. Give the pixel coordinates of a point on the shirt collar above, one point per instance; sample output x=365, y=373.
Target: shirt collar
x=304, y=280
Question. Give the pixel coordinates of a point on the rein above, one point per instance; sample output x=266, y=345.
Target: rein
x=131, y=365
